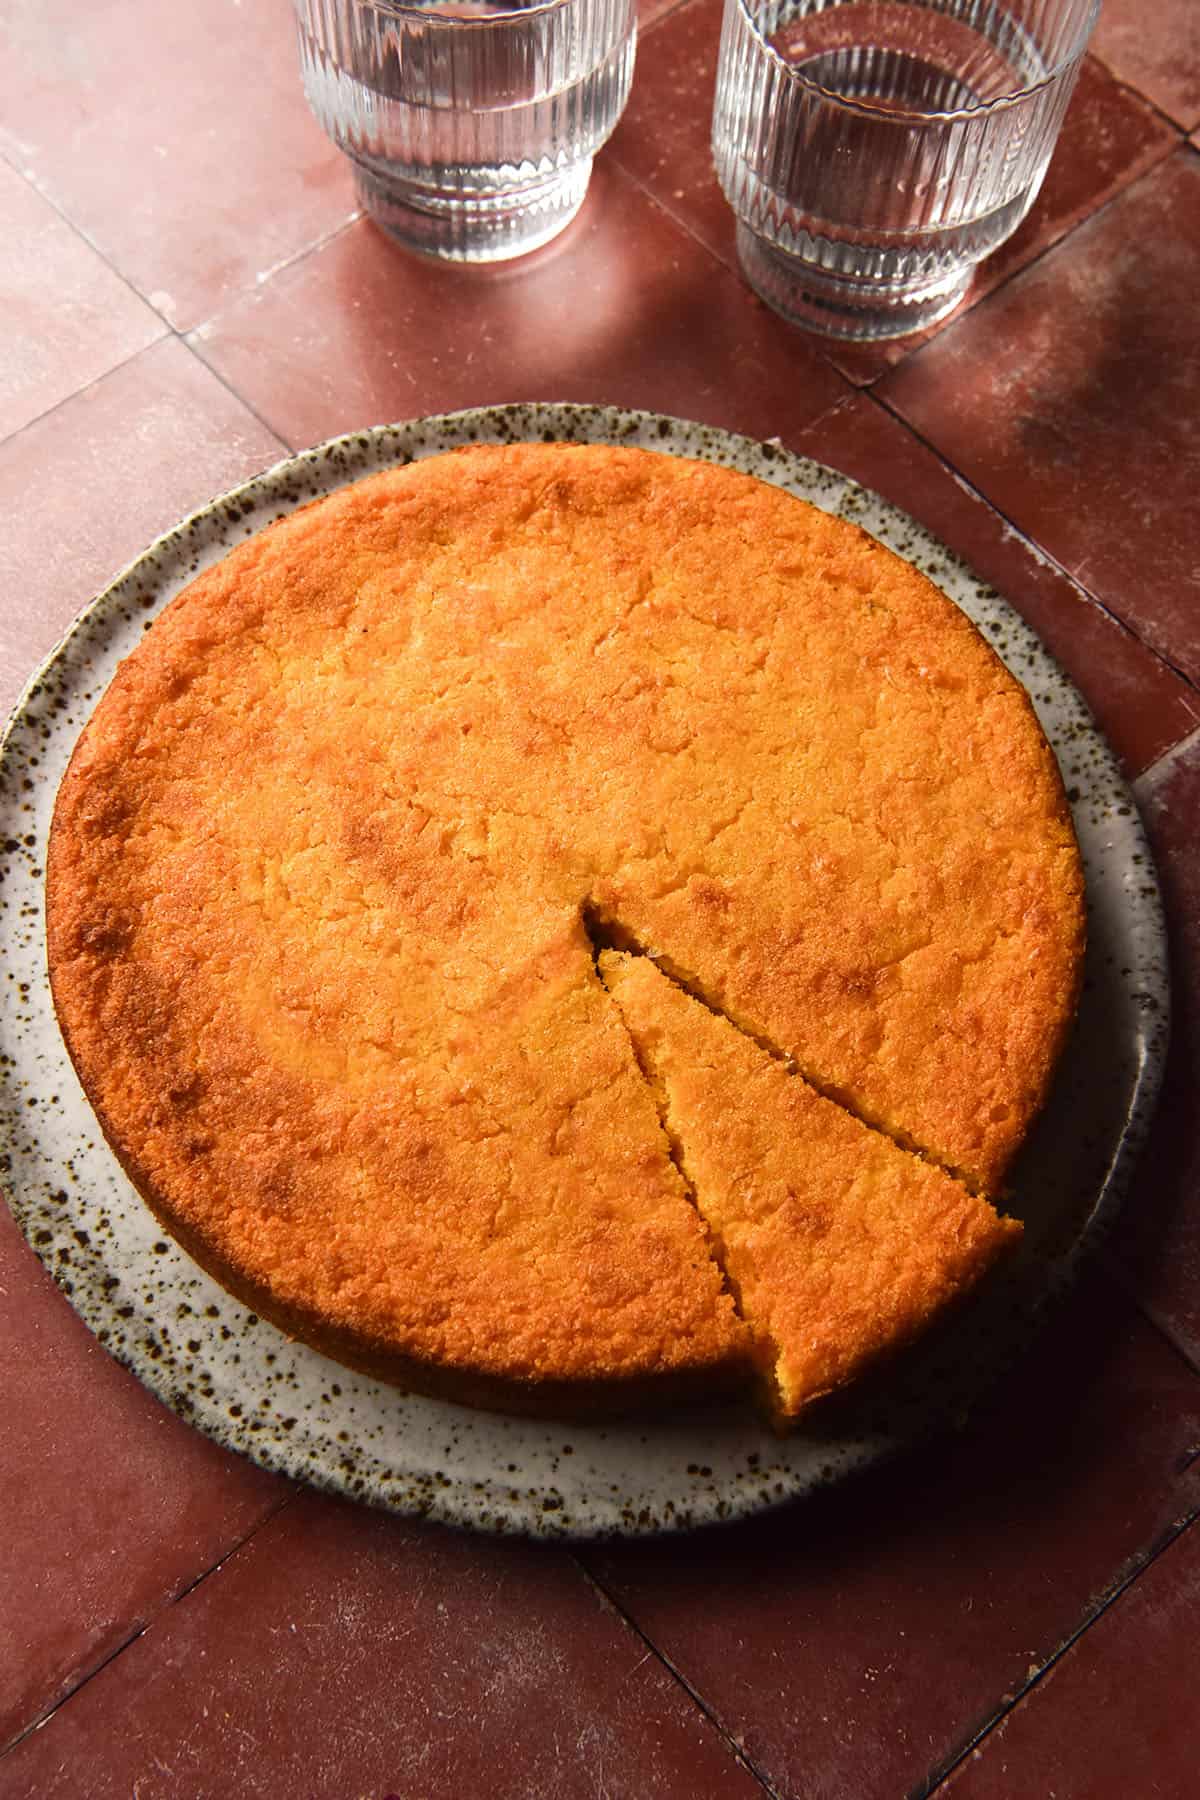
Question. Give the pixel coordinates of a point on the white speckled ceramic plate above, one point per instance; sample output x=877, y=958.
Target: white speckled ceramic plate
x=248, y=1387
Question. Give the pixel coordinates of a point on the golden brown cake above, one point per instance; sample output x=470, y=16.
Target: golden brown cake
x=838, y=1245
x=324, y=864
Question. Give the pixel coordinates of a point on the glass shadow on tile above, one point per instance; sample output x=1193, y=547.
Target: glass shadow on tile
x=624, y=309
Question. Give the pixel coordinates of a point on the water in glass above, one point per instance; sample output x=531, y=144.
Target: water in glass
x=471, y=123
x=875, y=151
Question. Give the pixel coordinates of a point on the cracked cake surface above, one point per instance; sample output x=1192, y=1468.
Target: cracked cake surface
x=320, y=866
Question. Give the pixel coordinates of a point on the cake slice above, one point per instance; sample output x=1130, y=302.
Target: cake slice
x=839, y=1246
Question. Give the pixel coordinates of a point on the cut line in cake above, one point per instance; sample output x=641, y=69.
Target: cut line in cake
x=607, y=933
x=837, y=1245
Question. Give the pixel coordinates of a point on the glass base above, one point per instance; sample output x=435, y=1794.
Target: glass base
x=821, y=302
x=474, y=228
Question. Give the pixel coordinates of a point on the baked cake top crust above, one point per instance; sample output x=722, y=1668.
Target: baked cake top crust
x=319, y=870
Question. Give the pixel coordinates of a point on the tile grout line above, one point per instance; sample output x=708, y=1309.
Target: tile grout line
x=958, y=318
x=1139, y=94
x=828, y=352
x=936, y=1782
x=731, y=265
x=180, y=334
x=194, y=336
x=241, y=293
x=1041, y=553
x=1128, y=1286
x=740, y=1755
x=139, y=1631
x=285, y=443
x=168, y=335
x=31, y=180
x=267, y=276
x=868, y=390
x=667, y=12
x=1158, y=770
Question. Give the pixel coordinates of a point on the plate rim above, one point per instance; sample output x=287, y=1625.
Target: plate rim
x=447, y=1506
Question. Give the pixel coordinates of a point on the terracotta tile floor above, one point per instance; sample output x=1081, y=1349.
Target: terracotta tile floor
x=111, y=1504
x=187, y=291
x=177, y=141
x=402, y=1661
x=96, y=323
x=850, y=1674
x=123, y=460
x=1155, y=50
x=1086, y=368
x=1114, y=1713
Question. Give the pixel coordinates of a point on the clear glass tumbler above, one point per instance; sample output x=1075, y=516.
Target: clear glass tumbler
x=874, y=151
x=471, y=126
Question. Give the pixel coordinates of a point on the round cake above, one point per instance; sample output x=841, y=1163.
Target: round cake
x=335, y=859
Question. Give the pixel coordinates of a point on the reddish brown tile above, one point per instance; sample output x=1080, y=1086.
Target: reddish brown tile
x=1118, y=1714
x=623, y=309
x=854, y=1646
x=1110, y=137
x=1069, y=400
x=67, y=317
x=343, y=1653
x=1142, y=706
x=83, y=490
x=111, y=1506
x=1157, y=1242
x=649, y=11
x=1156, y=49
x=176, y=138
x=664, y=139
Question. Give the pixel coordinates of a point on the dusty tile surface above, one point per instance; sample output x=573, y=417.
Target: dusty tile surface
x=177, y=138
x=1142, y=705
x=110, y=1504
x=85, y=489
x=1110, y=136
x=648, y=11
x=344, y=1653
x=1156, y=49
x=855, y=1645
x=1069, y=400
x=1157, y=1242
x=96, y=321
x=623, y=309
x=1117, y=1715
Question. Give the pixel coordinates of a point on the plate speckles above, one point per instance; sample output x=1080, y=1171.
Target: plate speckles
x=251, y=1389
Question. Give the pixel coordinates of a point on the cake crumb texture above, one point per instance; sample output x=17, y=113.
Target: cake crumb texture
x=319, y=867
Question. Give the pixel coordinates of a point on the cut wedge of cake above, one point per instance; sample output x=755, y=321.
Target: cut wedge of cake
x=838, y=1245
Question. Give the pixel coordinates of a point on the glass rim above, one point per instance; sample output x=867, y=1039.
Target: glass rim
x=851, y=103
x=428, y=12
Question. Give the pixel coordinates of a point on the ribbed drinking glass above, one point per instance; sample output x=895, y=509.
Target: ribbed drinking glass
x=471, y=126
x=875, y=151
